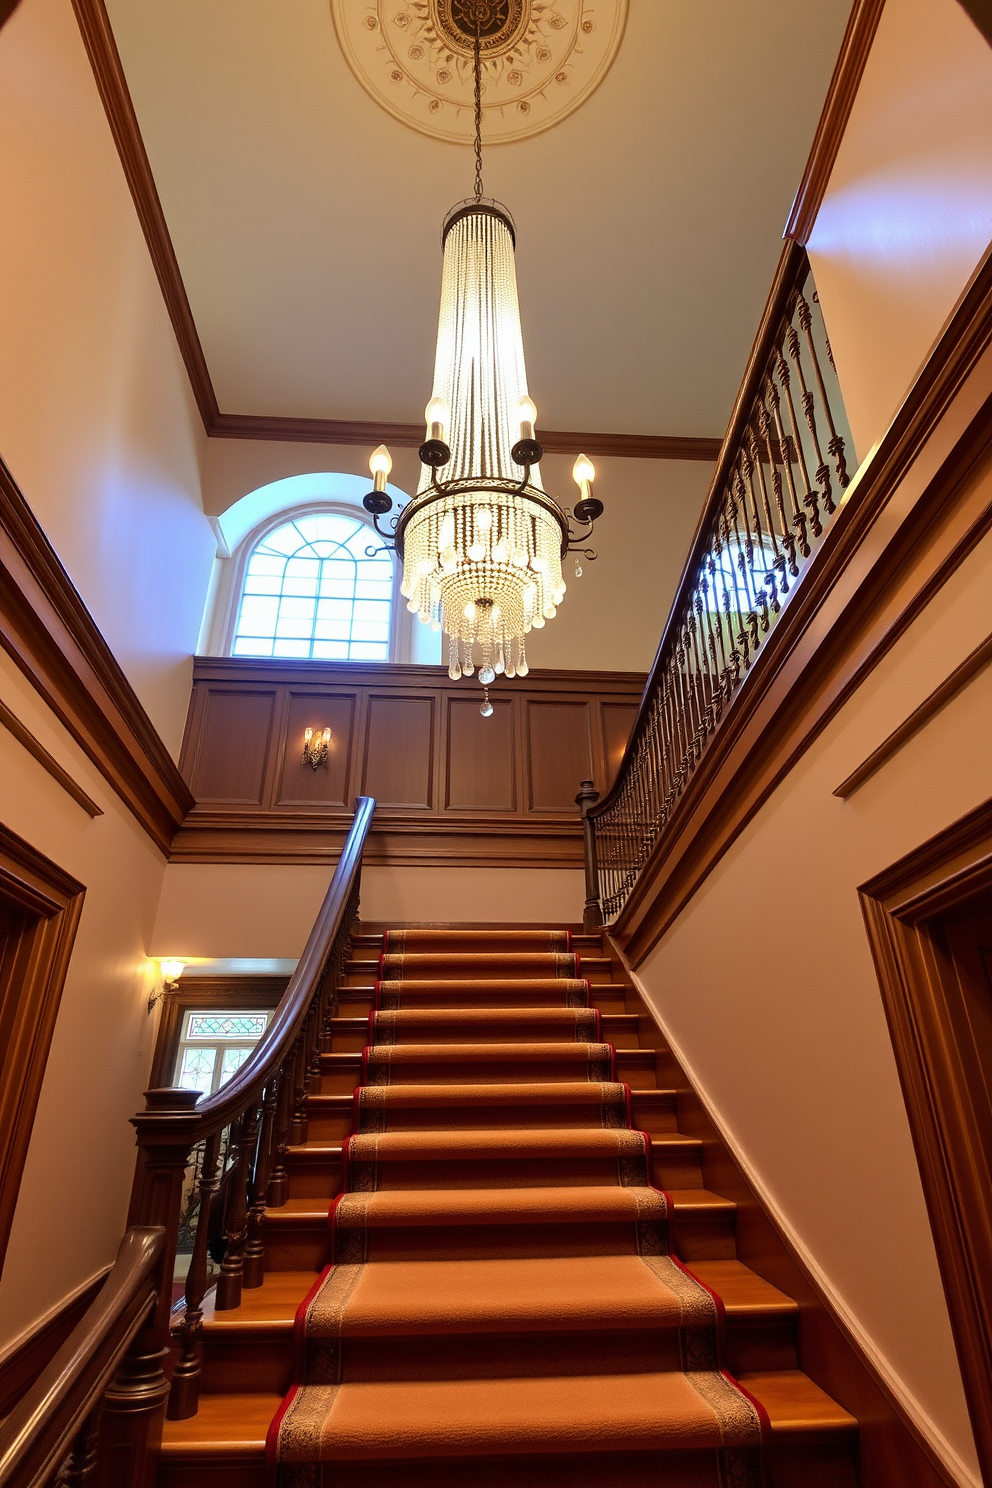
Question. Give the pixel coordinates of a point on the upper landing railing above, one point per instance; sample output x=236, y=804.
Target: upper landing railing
x=779, y=479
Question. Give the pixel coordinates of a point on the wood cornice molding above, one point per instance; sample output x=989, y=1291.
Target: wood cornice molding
x=927, y=920
x=101, y=48
x=854, y=49
x=49, y=633
x=411, y=436
x=871, y=578
x=390, y=673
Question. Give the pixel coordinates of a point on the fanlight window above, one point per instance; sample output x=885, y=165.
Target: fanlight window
x=311, y=592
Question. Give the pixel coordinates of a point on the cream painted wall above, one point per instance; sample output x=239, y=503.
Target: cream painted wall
x=224, y=910
x=73, y=1198
x=612, y=617
x=97, y=422
x=908, y=211
x=781, y=1022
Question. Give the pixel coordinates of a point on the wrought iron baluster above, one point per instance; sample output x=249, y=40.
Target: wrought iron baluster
x=185, y=1392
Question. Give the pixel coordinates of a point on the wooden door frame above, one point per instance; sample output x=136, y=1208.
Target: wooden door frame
x=49, y=902
x=937, y=1055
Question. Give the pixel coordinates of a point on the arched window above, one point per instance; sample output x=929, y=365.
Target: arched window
x=310, y=591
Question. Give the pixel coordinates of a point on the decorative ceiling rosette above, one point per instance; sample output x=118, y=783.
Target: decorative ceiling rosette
x=541, y=59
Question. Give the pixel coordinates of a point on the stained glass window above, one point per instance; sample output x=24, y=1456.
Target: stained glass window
x=310, y=591
x=214, y=1045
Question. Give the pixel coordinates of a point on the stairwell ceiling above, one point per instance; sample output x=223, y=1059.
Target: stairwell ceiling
x=305, y=217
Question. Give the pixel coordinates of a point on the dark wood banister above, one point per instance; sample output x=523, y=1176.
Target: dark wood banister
x=274, y=1047
x=791, y=266
x=59, y=1412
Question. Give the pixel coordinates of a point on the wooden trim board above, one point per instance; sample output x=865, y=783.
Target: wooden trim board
x=924, y=916
x=854, y=49
x=40, y=905
x=23, y=1361
x=27, y=740
x=50, y=634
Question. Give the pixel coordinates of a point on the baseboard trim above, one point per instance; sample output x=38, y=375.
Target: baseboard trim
x=910, y=1411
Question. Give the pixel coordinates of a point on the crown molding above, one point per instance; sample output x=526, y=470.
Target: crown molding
x=854, y=49
x=411, y=436
x=50, y=634
x=101, y=48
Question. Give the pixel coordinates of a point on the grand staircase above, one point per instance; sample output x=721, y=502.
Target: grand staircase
x=529, y=1283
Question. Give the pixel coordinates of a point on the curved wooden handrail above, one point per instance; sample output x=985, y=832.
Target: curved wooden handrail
x=204, y=1117
x=39, y=1431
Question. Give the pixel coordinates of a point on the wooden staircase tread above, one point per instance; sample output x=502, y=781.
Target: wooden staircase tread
x=684, y=1200
x=224, y=1425
x=742, y=1290
x=796, y=1406
x=699, y=1199
x=272, y=1306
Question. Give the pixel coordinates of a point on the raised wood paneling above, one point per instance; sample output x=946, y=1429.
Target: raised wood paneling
x=618, y=719
x=329, y=784
x=451, y=786
x=399, y=751
x=233, y=748
x=560, y=748
x=480, y=773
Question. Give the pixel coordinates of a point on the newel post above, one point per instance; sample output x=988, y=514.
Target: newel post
x=134, y=1405
x=592, y=915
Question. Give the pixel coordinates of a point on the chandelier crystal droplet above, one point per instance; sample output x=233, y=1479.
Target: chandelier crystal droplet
x=482, y=542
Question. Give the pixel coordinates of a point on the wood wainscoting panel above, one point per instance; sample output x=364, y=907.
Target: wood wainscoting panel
x=230, y=762
x=451, y=786
x=560, y=752
x=480, y=759
x=398, y=769
x=330, y=784
x=618, y=720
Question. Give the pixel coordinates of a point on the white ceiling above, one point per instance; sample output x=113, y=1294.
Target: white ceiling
x=305, y=218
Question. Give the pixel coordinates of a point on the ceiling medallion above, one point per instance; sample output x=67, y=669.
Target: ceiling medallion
x=540, y=59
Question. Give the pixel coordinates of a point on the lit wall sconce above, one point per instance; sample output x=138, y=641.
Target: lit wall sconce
x=171, y=970
x=315, y=747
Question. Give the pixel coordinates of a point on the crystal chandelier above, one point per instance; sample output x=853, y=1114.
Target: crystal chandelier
x=482, y=543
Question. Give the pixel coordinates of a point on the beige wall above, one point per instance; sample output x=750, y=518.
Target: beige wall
x=781, y=1025
x=612, y=617
x=73, y=1198
x=97, y=422
x=225, y=910
x=908, y=211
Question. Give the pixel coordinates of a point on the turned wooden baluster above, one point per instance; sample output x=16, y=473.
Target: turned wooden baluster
x=278, y=1189
x=253, y=1270
x=78, y=1468
x=301, y=1082
x=244, y=1133
x=185, y=1394
x=592, y=915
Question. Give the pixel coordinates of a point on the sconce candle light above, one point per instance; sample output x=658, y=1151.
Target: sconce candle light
x=171, y=970
x=315, y=744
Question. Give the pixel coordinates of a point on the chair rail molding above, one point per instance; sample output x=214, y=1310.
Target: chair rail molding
x=50, y=634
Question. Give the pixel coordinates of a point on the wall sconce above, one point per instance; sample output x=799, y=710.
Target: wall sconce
x=315, y=747
x=171, y=970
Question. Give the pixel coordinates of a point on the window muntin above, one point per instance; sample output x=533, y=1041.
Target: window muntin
x=311, y=592
x=214, y=1045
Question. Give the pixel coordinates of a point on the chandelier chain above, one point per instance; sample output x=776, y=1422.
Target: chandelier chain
x=478, y=108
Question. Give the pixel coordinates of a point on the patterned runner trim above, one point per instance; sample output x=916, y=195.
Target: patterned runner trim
x=699, y=1338
x=393, y=995
x=585, y=1022
x=318, y=1328
x=373, y=1102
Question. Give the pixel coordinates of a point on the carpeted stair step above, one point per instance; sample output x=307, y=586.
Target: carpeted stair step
x=541, y=1158
x=478, y=965
x=579, y=1024
x=510, y=1104
x=483, y=992
x=473, y=1063
x=475, y=1224
x=428, y=941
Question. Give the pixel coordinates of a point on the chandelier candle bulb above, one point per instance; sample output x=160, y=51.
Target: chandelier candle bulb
x=380, y=465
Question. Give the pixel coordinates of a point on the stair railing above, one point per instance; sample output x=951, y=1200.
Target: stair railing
x=778, y=483
x=54, y=1428
x=234, y=1141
